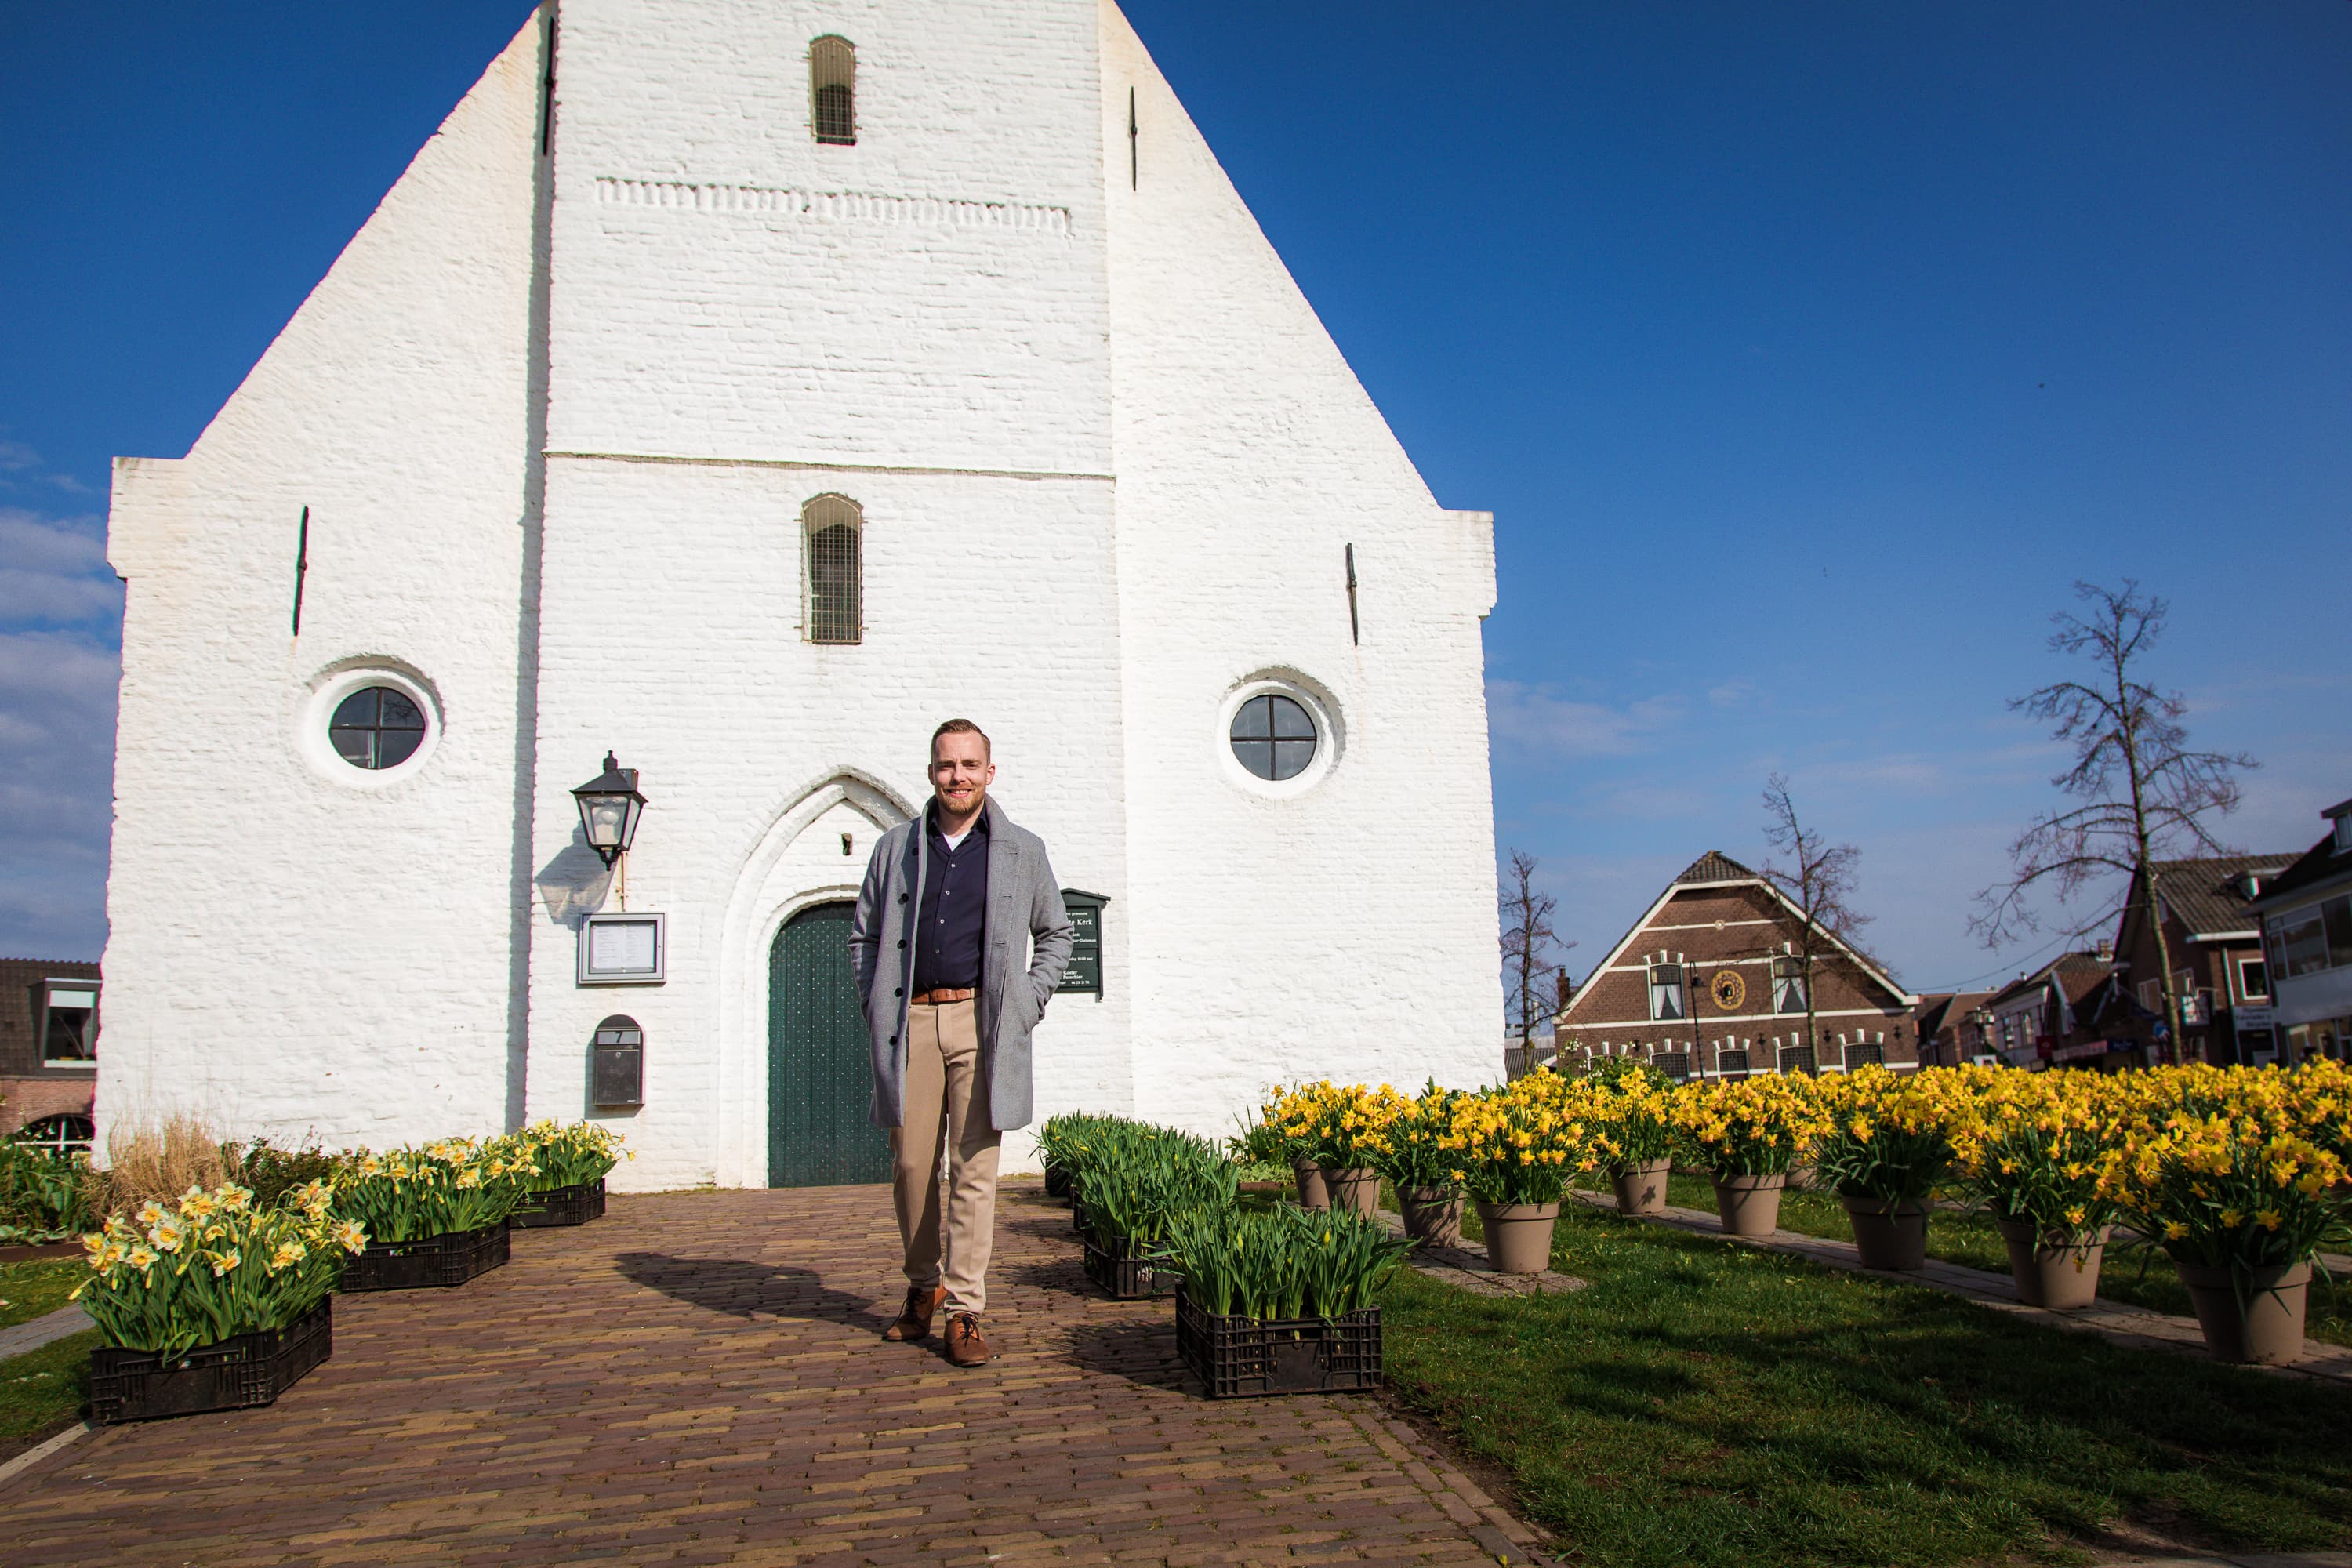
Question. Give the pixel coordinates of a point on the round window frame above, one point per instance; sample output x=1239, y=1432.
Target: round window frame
x=329, y=692
x=1330, y=741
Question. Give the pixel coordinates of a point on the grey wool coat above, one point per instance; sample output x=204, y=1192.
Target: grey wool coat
x=1025, y=947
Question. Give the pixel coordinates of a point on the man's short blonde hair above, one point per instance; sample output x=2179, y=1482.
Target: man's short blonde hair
x=962, y=727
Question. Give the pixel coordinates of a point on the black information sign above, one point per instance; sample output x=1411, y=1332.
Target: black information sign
x=1085, y=973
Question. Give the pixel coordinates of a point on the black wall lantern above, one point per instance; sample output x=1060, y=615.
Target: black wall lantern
x=609, y=808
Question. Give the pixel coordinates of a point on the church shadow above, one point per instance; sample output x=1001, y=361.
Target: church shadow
x=746, y=1288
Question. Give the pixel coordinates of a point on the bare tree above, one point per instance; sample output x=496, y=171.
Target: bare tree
x=1818, y=878
x=2145, y=795
x=1528, y=943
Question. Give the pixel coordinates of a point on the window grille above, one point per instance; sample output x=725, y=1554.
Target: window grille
x=1675, y=1064
x=376, y=727
x=833, y=527
x=1799, y=1059
x=1865, y=1054
x=1274, y=736
x=832, y=91
x=1731, y=1064
x=1666, y=991
x=1787, y=985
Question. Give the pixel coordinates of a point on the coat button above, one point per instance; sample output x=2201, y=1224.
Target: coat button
x=900, y=991
x=894, y=1039
x=902, y=941
x=902, y=897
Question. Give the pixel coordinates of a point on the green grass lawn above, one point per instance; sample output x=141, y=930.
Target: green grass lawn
x=2136, y=1277
x=34, y=1290
x=43, y=1391
x=1701, y=1403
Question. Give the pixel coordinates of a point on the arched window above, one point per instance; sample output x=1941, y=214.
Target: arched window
x=829, y=529
x=832, y=91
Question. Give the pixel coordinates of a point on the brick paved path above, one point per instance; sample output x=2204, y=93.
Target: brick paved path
x=697, y=1379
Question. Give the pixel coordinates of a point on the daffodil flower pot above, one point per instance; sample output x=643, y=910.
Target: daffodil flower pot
x=1433, y=1215
x=1750, y=1205
x=1358, y=1187
x=575, y=1204
x=1642, y=1189
x=1518, y=1235
x=1235, y=1356
x=2052, y=1268
x=1888, y=1233
x=428, y=1262
x=235, y=1373
x=1311, y=1192
x=2255, y=1316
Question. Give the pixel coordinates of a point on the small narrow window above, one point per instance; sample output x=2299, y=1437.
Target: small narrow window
x=831, y=526
x=1787, y=985
x=2253, y=980
x=1666, y=991
x=832, y=91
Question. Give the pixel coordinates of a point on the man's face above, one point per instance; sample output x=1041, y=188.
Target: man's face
x=960, y=772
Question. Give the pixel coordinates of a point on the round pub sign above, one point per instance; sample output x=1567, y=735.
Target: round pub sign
x=1728, y=989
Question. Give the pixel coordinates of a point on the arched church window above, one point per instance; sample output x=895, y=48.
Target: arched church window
x=1274, y=736
x=832, y=91
x=829, y=529
x=376, y=727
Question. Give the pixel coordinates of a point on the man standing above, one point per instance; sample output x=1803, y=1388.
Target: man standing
x=952, y=904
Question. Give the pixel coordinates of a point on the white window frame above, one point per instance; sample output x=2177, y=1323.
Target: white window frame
x=2238, y=967
x=1675, y=987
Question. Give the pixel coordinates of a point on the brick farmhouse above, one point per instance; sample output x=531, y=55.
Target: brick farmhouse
x=1708, y=982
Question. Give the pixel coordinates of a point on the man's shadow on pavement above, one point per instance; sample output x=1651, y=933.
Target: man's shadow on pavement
x=746, y=1288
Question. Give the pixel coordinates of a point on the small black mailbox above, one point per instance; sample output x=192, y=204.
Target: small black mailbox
x=619, y=1077
x=1085, y=971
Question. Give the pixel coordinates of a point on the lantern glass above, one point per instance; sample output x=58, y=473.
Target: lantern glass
x=604, y=816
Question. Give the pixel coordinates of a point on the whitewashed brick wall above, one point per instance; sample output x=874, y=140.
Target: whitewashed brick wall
x=1108, y=463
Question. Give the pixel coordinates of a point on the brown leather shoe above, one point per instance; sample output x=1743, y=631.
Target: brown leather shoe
x=915, y=1319
x=965, y=1347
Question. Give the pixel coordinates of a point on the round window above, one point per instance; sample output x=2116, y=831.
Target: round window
x=1274, y=736
x=376, y=727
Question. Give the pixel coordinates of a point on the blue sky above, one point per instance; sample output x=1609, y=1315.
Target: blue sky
x=1806, y=353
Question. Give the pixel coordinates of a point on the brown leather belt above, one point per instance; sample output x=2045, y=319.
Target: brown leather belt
x=939, y=998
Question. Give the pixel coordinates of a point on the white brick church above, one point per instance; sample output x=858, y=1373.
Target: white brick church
x=741, y=387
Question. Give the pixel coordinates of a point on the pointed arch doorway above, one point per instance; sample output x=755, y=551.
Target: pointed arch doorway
x=820, y=1077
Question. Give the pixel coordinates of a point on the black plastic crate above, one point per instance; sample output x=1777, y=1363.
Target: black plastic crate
x=1240, y=1356
x=1079, y=1223
x=433, y=1262
x=1057, y=1182
x=575, y=1204
x=1125, y=1278
x=235, y=1375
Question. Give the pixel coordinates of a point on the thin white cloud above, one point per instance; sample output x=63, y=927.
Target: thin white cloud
x=1538, y=719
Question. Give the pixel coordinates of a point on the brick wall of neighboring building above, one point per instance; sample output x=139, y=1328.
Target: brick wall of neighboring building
x=30, y=1091
x=1721, y=920
x=2213, y=936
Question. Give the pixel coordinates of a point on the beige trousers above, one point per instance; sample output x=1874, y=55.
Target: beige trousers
x=944, y=1084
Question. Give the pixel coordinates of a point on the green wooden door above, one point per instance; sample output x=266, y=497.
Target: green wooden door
x=820, y=1077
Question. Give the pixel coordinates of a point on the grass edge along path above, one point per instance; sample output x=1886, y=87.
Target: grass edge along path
x=1708, y=1404
x=45, y=1390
